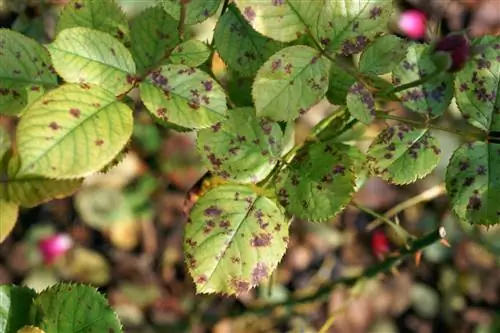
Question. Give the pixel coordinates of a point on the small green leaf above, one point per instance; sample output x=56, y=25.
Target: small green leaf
x=196, y=11
x=184, y=96
x=383, y=55
x=83, y=55
x=473, y=182
x=339, y=85
x=434, y=96
x=72, y=132
x=401, y=154
x=319, y=183
x=154, y=34
x=243, y=49
x=290, y=82
x=234, y=239
x=191, y=53
x=105, y=16
x=72, y=308
x=15, y=303
x=8, y=219
x=25, y=71
x=242, y=148
x=31, y=190
x=361, y=103
x=477, y=86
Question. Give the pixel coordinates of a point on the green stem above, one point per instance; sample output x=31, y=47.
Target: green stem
x=324, y=291
x=467, y=135
x=412, y=84
x=400, y=231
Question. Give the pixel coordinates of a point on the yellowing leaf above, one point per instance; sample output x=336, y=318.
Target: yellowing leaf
x=8, y=218
x=83, y=55
x=72, y=132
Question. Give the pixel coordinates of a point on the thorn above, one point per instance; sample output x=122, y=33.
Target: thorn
x=445, y=242
x=418, y=257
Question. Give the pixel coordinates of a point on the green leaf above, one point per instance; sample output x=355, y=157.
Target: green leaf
x=72, y=132
x=191, y=53
x=234, y=239
x=15, y=303
x=434, y=96
x=72, y=308
x=5, y=142
x=105, y=16
x=344, y=26
x=477, y=86
x=382, y=56
x=25, y=73
x=242, y=148
x=196, y=11
x=243, y=49
x=290, y=82
x=473, y=182
x=239, y=89
x=339, y=85
x=318, y=183
x=401, y=154
x=347, y=26
x=83, y=55
x=184, y=96
x=31, y=190
x=154, y=34
x=8, y=219
x=361, y=103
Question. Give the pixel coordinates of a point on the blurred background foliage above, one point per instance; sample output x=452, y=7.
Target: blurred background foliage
x=127, y=228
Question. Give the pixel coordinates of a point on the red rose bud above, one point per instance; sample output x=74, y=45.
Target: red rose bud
x=54, y=246
x=456, y=49
x=413, y=23
x=380, y=244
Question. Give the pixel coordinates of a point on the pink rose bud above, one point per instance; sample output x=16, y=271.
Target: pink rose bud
x=413, y=23
x=457, y=48
x=54, y=246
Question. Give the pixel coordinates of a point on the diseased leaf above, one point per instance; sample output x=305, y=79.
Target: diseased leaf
x=8, y=218
x=74, y=308
x=339, y=84
x=383, y=55
x=25, y=71
x=274, y=19
x=473, y=182
x=477, y=86
x=242, y=148
x=72, y=132
x=15, y=303
x=234, y=239
x=239, y=89
x=106, y=16
x=340, y=26
x=191, y=53
x=31, y=190
x=83, y=55
x=319, y=183
x=361, y=103
x=434, y=96
x=401, y=154
x=154, y=34
x=195, y=11
x=243, y=49
x=290, y=82
x=184, y=96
